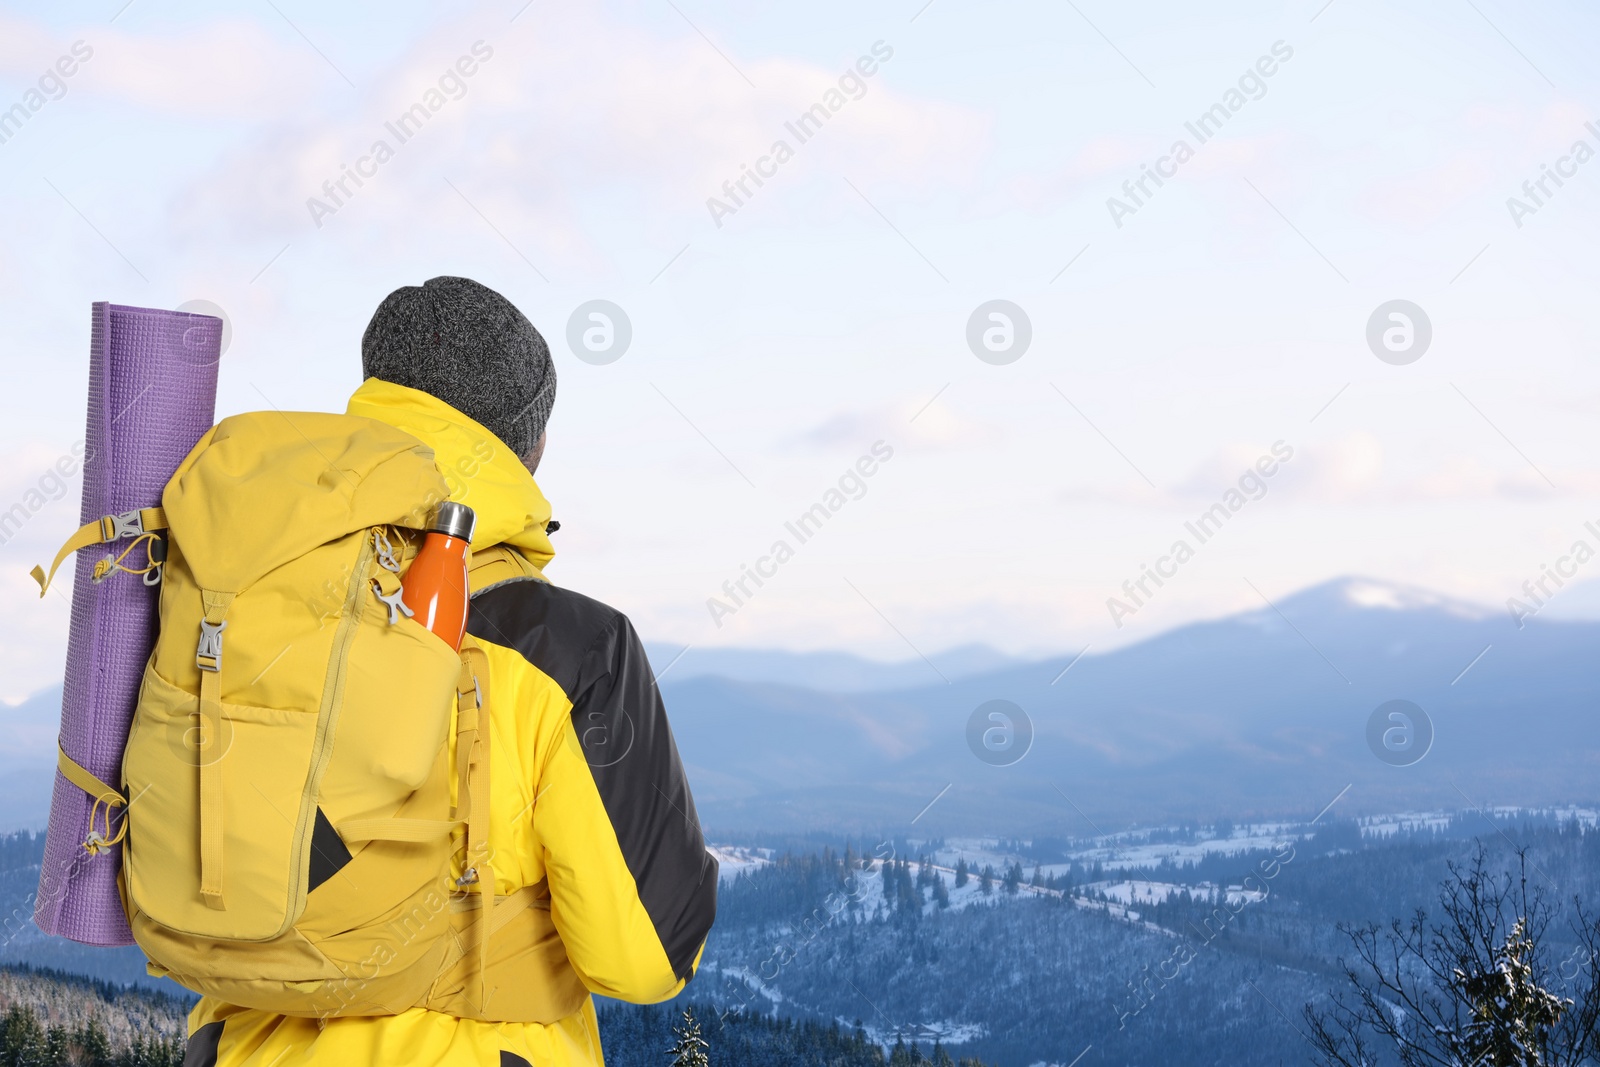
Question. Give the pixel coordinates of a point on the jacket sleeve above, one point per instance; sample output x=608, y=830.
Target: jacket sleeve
x=633, y=890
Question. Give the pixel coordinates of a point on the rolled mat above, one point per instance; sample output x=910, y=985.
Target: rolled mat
x=152, y=395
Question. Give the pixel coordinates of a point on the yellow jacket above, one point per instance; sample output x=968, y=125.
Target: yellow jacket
x=633, y=890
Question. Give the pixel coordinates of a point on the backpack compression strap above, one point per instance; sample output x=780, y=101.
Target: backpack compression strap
x=139, y=524
x=105, y=797
x=208, y=657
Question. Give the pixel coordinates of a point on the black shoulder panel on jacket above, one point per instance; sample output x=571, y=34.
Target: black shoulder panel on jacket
x=202, y=1048
x=593, y=653
x=552, y=627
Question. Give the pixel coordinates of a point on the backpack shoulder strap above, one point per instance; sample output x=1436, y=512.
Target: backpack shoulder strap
x=472, y=740
x=496, y=564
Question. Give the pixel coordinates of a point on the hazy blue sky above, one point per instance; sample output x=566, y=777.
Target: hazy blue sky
x=830, y=310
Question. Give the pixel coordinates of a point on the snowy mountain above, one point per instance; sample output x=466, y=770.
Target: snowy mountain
x=834, y=672
x=28, y=733
x=1263, y=713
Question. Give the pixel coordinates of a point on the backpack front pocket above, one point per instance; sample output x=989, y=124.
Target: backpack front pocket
x=266, y=759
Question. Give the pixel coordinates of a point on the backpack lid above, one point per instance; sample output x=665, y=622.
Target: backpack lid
x=266, y=487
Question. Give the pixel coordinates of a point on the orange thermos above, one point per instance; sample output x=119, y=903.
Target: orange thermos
x=435, y=585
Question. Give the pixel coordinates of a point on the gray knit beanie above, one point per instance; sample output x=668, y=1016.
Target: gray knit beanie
x=467, y=345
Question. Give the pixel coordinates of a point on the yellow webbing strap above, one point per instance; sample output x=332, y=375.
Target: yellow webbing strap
x=505, y=909
x=74, y=772
x=395, y=829
x=98, y=533
x=208, y=657
x=472, y=693
x=466, y=733
x=469, y=720
x=106, y=799
x=498, y=563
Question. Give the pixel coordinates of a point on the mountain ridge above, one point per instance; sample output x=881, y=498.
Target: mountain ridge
x=1252, y=713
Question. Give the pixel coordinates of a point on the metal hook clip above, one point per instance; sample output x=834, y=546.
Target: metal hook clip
x=385, y=552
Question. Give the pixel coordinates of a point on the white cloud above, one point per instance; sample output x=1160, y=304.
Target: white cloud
x=550, y=120
x=229, y=69
x=1345, y=470
x=26, y=47
x=931, y=424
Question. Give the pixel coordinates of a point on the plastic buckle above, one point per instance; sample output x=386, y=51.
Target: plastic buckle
x=477, y=697
x=397, y=606
x=127, y=525
x=208, y=653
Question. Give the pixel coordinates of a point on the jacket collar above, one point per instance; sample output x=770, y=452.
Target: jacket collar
x=480, y=470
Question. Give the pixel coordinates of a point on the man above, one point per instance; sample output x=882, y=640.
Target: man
x=588, y=791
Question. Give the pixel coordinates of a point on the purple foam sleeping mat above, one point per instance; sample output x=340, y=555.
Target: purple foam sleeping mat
x=152, y=395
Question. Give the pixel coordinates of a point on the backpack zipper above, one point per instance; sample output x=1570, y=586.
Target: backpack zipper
x=328, y=718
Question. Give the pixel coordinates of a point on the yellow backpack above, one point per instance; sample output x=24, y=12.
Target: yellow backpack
x=305, y=760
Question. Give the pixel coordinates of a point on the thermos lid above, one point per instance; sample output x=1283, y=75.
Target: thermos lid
x=454, y=520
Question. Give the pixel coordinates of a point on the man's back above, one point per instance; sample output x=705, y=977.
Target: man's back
x=590, y=812
x=588, y=798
